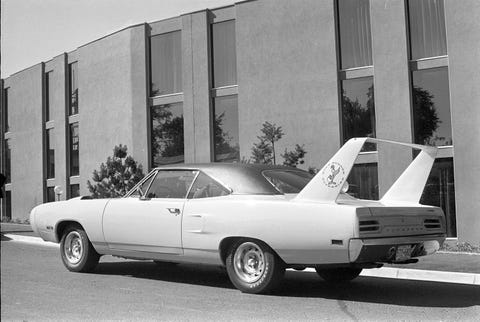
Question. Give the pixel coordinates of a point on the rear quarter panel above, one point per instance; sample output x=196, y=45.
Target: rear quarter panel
x=88, y=213
x=300, y=232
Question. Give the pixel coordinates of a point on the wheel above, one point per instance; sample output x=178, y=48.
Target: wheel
x=337, y=275
x=253, y=267
x=78, y=254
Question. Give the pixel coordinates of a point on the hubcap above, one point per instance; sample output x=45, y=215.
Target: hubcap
x=248, y=262
x=73, y=247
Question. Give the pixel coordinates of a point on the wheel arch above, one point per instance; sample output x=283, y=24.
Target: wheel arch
x=227, y=242
x=62, y=225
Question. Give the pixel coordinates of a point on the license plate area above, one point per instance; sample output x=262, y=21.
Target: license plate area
x=403, y=253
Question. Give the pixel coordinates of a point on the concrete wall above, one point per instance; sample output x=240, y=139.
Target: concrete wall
x=25, y=115
x=287, y=74
x=106, y=98
x=463, y=41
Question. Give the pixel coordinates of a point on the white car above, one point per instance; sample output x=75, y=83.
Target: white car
x=256, y=220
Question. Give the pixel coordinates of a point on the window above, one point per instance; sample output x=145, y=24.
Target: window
x=288, y=181
x=440, y=191
x=225, y=129
x=48, y=96
x=50, y=194
x=50, y=154
x=431, y=107
x=166, y=64
x=74, y=190
x=171, y=184
x=354, y=33
x=142, y=188
x=8, y=204
x=224, y=54
x=427, y=28
x=167, y=134
x=363, y=181
x=74, y=155
x=73, y=87
x=8, y=155
x=358, y=109
x=206, y=187
x=5, y=115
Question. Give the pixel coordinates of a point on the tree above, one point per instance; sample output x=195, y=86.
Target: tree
x=117, y=176
x=222, y=140
x=295, y=157
x=426, y=120
x=263, y=151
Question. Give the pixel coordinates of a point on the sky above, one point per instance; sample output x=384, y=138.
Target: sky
x=38, y=30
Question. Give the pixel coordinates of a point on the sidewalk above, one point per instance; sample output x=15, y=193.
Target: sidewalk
x=447, y=267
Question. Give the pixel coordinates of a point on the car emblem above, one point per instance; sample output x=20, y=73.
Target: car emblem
x=333, y=174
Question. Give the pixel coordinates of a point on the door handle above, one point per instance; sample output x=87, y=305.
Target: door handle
x=174, y=211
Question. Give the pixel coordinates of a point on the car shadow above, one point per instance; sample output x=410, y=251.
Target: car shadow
x=310, y=285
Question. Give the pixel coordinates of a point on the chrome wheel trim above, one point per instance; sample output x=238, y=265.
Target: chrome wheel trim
x=73, y=247
x=249, y=262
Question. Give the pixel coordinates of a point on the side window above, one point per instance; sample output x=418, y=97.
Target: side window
x=205, y=187
x=171, y=184
x=143, y=187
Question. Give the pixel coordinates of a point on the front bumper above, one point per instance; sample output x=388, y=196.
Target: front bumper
x=383, y=250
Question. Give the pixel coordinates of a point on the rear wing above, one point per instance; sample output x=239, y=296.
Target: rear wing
x=328, y=182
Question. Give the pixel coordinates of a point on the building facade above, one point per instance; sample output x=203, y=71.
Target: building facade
x=198, y=87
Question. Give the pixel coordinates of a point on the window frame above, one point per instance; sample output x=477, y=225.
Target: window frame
x=211, y=178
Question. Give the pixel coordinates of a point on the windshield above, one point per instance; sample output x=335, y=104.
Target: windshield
x=288, y=181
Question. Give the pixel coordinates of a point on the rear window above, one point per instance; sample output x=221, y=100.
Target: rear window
x=288, y=181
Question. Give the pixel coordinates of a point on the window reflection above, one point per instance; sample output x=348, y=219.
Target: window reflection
x=50, y=154
x=50, y=194
x=225, y=129
x=167, y=134
x=8, y=155
x=355, y=36
x=440, y=191
x=431, y=107
x=358, y=110
x=74, y=190
x=5, y=109
x=363, y=181
x=48, y=95
x=166, y=63
x=74, y=154
x=73, y=88
x=8, y=204
x=427, y=28
x=224, y=54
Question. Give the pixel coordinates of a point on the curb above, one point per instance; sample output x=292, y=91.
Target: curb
x=383, y=272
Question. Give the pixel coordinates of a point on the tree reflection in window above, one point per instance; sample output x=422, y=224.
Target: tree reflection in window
x=358, y=110
x=167, y=137
x=225, y=129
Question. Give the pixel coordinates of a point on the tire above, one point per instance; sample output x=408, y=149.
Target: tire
x=253, y=267
x=78, y=254
x=338, y=275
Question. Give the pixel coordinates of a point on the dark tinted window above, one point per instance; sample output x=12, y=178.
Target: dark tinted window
x=5, y=110
x=48, y=96
x=363, y=181
x=8, y=204
x=50, y=194
x=167, y=134
x=288, y=181
x=427, y=28
x=224, y=54
x=74, y=190
x=8, y=168
x=358, y=109
x=166, y=64
x=431, y=107
x=74, y=154
x=205, y=187
x=440, y=191
x=225, y=129
x=355, y=36
x=171, y=184
x=50, y=154
x=73, y=88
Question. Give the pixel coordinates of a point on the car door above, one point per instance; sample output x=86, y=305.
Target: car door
x=151, y=220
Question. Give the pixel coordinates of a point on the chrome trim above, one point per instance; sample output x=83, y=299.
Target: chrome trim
x=401, y=240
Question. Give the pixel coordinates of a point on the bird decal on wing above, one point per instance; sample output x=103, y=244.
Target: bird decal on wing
x=332, y=176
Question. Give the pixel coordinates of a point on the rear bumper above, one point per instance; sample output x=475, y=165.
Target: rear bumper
x=383, y=250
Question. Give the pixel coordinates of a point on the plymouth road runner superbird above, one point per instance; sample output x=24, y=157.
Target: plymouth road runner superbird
x=256, y=220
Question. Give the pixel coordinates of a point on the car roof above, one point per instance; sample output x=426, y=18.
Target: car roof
x=242, y=178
